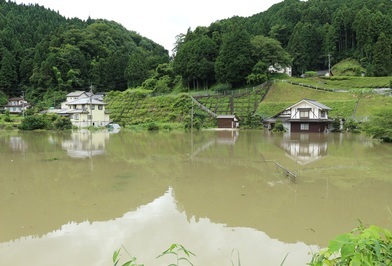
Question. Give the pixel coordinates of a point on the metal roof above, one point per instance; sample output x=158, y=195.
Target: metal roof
x=86, y=100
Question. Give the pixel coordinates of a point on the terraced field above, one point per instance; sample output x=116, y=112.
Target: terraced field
x=134, y=107
x=241, y=104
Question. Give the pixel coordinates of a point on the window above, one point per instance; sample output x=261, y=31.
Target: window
x=304, y=114
x=92, y=107
x=100, y=107
x=76, y=116
x=89, y=117
x=305, y=126
x=323, y=114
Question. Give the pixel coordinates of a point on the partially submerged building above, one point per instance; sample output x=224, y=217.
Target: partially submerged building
x=227, y=121
x=304, y=116
x=84, y=109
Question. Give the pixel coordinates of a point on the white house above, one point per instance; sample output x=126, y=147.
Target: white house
x=16, y=105
x=282, y=70
x=84, y=109
x=76, y=95
x=304, y=116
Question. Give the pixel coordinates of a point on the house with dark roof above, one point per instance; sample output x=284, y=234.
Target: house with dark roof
x=305, y=116
x=17, y=105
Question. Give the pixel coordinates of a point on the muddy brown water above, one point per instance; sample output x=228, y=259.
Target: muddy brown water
x=75, y=198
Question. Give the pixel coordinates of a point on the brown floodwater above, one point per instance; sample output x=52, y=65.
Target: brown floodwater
x=75, y=198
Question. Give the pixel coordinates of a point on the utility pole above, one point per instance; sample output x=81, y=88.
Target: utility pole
x=329, y=64
x=23, y=103
x=91, y=104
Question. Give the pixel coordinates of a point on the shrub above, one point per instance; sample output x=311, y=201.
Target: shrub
x=62, y=123
x=363, y=246
x=379, y=125
x=336, y=125
x=351, y=126
x=279, y=127
x=33, y=123
x=7, y=117
x=309, y=74
x=152, y=126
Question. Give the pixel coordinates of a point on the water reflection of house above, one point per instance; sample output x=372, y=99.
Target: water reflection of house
x=222, y=138
x=17, y=144
x=85, y=144
x=305, y=148
x=227, y=136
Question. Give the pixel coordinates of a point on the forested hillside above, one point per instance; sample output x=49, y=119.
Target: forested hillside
x=238, y=50
x=46, y=55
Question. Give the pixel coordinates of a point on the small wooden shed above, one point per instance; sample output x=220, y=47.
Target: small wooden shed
x=227, y=121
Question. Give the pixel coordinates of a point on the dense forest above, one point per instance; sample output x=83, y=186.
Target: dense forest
x=46, y=55
x=239, y=50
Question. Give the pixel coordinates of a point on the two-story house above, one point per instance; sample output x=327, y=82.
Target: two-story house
x=17, y=105
x=304, y=116
x=85, y=109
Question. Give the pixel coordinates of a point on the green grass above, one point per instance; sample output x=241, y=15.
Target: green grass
x=343, y=104
x=345, y=82
x=16, y=120
x=136, y=108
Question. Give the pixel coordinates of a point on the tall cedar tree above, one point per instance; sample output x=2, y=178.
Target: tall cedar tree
x=234, y=62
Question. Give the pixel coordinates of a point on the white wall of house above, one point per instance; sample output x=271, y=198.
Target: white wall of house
x=307, y=110
x=93, y=115
x=85, y=111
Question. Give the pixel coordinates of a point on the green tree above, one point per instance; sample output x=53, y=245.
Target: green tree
x=363, y=28
x=62, y=123
x=33, y=122
x=270, y=52
x=379, y=125
x=234, y=62
x=8, y=73
x=382, y=60
x=195, y=60
x=305, y=47
x=137, y=69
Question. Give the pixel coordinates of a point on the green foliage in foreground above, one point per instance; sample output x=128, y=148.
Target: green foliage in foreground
x=179, y=251
x=363, y=246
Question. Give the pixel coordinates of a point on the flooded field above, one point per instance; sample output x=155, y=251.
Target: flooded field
x=75, y=198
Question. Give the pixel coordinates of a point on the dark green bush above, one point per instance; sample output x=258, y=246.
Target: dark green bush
x=352, y=126
x=278, y=127
x=33, y=123
x=62, y=123
x=7, y=117
x=152, y=126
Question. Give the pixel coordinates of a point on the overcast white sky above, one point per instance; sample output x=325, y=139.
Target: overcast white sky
x=158, y=20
